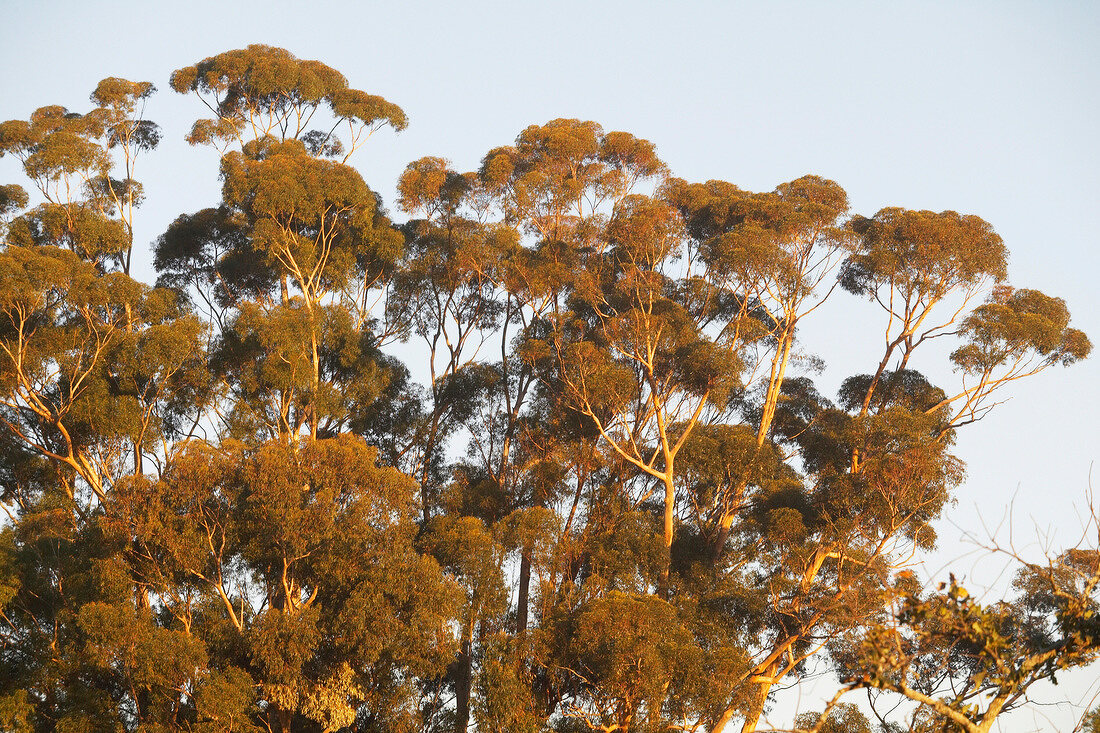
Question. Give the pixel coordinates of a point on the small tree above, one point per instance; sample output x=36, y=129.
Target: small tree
x=966, y=663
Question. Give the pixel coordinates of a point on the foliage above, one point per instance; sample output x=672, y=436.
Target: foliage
x=605, y=494
x=966, y=662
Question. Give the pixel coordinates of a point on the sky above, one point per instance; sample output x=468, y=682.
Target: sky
x=986, y=108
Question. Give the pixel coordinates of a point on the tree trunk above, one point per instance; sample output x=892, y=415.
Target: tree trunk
x=670, y=509
x=753, y=715
x=722, y=721
x=775, y=385
x=725, y=524
x=724, y=527
x=524, y=589
x=464, y=680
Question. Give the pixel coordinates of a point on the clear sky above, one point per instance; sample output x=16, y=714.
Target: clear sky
x=989, y=108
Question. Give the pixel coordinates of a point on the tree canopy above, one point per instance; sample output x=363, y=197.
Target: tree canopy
x=606, y=494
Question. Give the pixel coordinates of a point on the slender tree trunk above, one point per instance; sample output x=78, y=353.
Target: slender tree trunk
x=426, y=459
x=724, y=526
x=141, y=597
x=670, y=510
x=775, y=385
x=760, y=698
x=722, y=721
x=464, y=680
x=890, y=347
x=524, y=589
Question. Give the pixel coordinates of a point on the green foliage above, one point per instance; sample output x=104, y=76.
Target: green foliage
x=1091, y=722
x=966, y=662
x=1014, y=323
x=64, y=153
x=265, y=90
x=923, y=254
x=844, y=718
x=314, y=219
x=617, y=502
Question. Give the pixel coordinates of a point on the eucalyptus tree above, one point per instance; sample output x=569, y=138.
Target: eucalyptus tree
x=91, y=356
x=99, y=373
x=911, y=262
x=602, y=251
x=658, y=318
x=619, y=502
x=822, y=535
x=96, y=367
x=768, y=261
x=446, y=294
x=70, y=158
x=964, y=662
x=628, y=338
x=299, y=229
x=294, y=566
x=263, y=91
x=94, y=362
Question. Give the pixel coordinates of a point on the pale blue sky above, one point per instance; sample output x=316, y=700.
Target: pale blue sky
x=989, y=108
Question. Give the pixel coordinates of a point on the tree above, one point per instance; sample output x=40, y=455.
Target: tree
x=66, y=154
x=618, y=501
x=843, y=718
x=297, y=563
x=292, y=221
x=965, y=663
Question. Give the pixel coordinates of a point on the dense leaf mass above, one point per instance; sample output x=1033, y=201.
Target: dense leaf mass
x=605, y=494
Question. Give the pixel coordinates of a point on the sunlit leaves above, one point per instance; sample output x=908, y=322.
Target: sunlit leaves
x=348, y=607
x=81, y=228
x=315, y=220
x=624, y=653
x=968, y=662
x=627, y=506
x=264, y=90
x=1014, y=323
x=87, y=357
x=67, y=154
x=923, y=254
